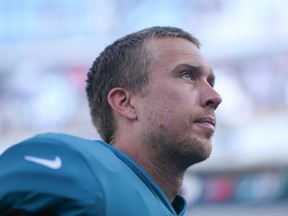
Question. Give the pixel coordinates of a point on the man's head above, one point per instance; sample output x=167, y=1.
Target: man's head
x=126, y=64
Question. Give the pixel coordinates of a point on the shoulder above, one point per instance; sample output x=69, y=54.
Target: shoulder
x=57, y=165
x=57, y=154
x=54, y=144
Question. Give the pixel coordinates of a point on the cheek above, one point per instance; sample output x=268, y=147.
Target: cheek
x=179, y=100
x=170, y=107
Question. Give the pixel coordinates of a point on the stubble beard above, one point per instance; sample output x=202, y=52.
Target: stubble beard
x=178, y=151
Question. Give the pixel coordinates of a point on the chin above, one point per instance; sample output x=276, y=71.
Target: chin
x=196, y=151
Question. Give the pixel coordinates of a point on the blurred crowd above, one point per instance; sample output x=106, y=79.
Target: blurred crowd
x=35, y=99
x=249, y=187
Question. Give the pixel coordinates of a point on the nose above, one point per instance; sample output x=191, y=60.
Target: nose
x=211, y=99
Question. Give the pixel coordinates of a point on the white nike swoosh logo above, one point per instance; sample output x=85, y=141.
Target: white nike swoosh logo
x=52, y=164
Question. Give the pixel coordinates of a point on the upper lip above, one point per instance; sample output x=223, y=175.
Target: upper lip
x=209, y=120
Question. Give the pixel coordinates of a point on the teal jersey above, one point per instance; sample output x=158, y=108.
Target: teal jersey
x=68, y=176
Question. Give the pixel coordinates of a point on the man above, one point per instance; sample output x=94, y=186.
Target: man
x=152, y=99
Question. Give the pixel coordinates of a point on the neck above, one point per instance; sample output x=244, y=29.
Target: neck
x=163, y=170
x=169, y=179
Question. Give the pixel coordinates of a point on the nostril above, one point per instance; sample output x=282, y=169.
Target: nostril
x=214, y=103
x=211, y=103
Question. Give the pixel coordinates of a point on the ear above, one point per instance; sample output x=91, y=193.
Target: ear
x=120, y=101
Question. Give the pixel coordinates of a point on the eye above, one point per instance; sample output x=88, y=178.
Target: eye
x=211, y=81
x=186, y=75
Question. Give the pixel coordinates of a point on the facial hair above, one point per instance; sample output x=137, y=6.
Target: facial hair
x=177, y=150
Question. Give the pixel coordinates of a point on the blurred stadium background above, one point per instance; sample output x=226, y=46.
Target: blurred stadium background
x=46, y=48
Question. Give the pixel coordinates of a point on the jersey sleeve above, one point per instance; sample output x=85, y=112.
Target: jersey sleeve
x=47, y=174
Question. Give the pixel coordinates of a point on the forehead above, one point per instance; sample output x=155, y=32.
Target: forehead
x=170, y=52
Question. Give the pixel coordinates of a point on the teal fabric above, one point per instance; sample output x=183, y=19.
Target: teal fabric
x=94, y=179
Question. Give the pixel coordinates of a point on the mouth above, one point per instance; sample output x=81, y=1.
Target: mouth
x=207, y=122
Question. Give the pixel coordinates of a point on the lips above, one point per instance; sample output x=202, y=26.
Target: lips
x=207, y=122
